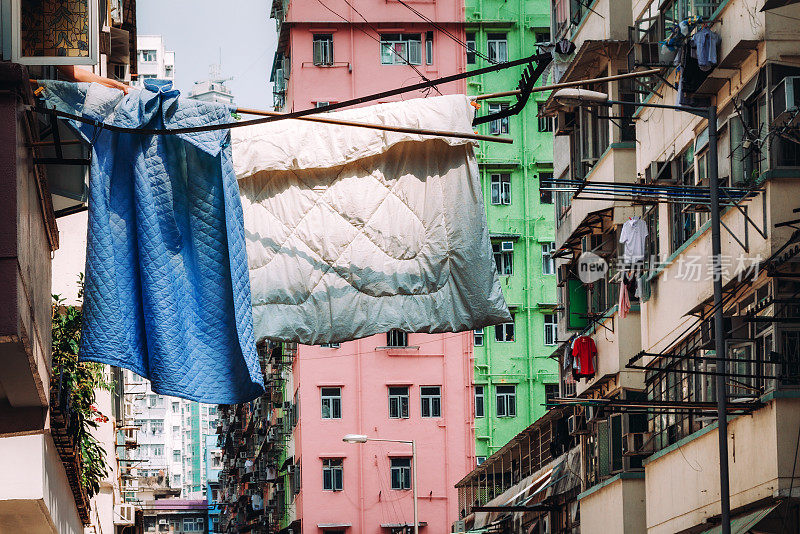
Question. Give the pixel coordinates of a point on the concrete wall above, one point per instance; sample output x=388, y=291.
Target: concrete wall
x=35, y=496
x=685, y=476
x=445, y=445
x=618, y=507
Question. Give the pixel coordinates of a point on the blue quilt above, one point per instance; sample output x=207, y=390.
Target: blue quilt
x=167, y=292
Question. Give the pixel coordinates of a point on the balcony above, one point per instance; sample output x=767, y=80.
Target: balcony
x=761, y=460
x=585, y=23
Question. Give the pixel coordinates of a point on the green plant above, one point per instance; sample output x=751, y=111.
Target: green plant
x=79, y=380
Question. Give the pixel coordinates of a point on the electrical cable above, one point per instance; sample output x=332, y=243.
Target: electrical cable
x=294, y=114
x=395, y=52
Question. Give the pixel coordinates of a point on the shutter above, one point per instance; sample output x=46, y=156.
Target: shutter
x=603, y=463
x=577, y=305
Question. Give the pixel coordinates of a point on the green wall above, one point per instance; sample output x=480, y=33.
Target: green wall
x=530, y=293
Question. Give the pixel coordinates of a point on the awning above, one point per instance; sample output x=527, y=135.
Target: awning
x=333, y=525
x=573, y=242
x=772, y=4
x=743, y=523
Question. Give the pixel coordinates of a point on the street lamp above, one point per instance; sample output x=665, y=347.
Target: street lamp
x=577, y=96
x=361, y=438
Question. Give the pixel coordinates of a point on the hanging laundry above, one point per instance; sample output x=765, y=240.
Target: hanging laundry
x=352, y=232
x=167, y=293
x=706, y=43
x=633, y=236
x=585, y=353
x=624, y=304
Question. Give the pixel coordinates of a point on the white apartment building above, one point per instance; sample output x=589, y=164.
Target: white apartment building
x=154, y=60
x=171, y=436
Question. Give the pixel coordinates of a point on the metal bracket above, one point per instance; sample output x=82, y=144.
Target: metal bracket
x=529, y=78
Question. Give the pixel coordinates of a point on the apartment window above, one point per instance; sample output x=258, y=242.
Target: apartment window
x=176, y=481
x=321, y=104
x=500, y=189
x=176, y=408
x=176, y=456
x=431, y=401
x=498, y=126
x=506, y=398
x=158, y=450
x=323, y=49
x=477, y=337
x=332, y=474
x=168, y=71
x=396, y=338
x=398, y=402
x=401, y=473
x=503, y=252
x=497, y=47
x=548, y=266
x=152, y=400
x=542, y=35
x=330, y=345
x=147, y=77
x=157, y=427
x=550, y=329
x=550, y=393
x=504, y=333
x=331, y=403
x=683, y=221
x=480, y=459
x=148, y=56
x=401, y=49
x=429, y=48
x=545, y=123
x=471, y=48
x=480, y=405
x=545, y=181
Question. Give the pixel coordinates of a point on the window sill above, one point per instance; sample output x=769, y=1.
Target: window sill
x=409, y=347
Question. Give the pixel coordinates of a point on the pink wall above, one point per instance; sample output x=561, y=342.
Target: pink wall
x=445, y=445
x=357, y=70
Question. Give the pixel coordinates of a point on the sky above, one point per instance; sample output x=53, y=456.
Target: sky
x=197, y=30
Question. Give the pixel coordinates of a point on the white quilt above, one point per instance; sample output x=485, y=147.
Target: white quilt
x=352, y=232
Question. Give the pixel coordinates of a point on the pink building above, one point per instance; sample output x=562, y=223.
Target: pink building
x=396, y=385
x=328, y=53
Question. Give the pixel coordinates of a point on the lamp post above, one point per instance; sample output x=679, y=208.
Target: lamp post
x=577, y=96
x=360, y=438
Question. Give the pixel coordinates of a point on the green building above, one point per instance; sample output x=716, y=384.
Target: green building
x=513, y=374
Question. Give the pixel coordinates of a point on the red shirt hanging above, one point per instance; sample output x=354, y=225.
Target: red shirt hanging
x=585, y=353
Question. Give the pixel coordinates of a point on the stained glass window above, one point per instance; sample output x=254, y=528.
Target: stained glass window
x=56, y=29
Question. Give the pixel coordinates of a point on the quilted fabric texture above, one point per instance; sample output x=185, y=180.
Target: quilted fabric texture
x=167, y=290
x=352, y=232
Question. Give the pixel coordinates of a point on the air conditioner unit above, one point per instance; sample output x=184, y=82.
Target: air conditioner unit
x=637, y=444
x=459, y=526
x=593, y=413
x=286, y=63
x=563, y=274
x=577, y=425
x=163, y=522
x=643, y=55
x=657, y=171
x=507, y=246
x=124, y=514
x=786, y=100
x=565, y=122
x=243, y=455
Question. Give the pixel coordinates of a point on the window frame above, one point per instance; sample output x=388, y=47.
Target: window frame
x=506, y=400
x=429, y=48
x=503, y=258
x=547, y=259
x=400, y=410
x=478, y=337
x=472, y=47
x=323, y=42
x=502, y=125
x=334, y=402
x=479, y=394
x=498, y=40
x=430, y=400
x=551, y=329
x=404, y=57
x=403, y=473
x=334, y=469
x=92, y=58
x=500, y=183
x=504, y=328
